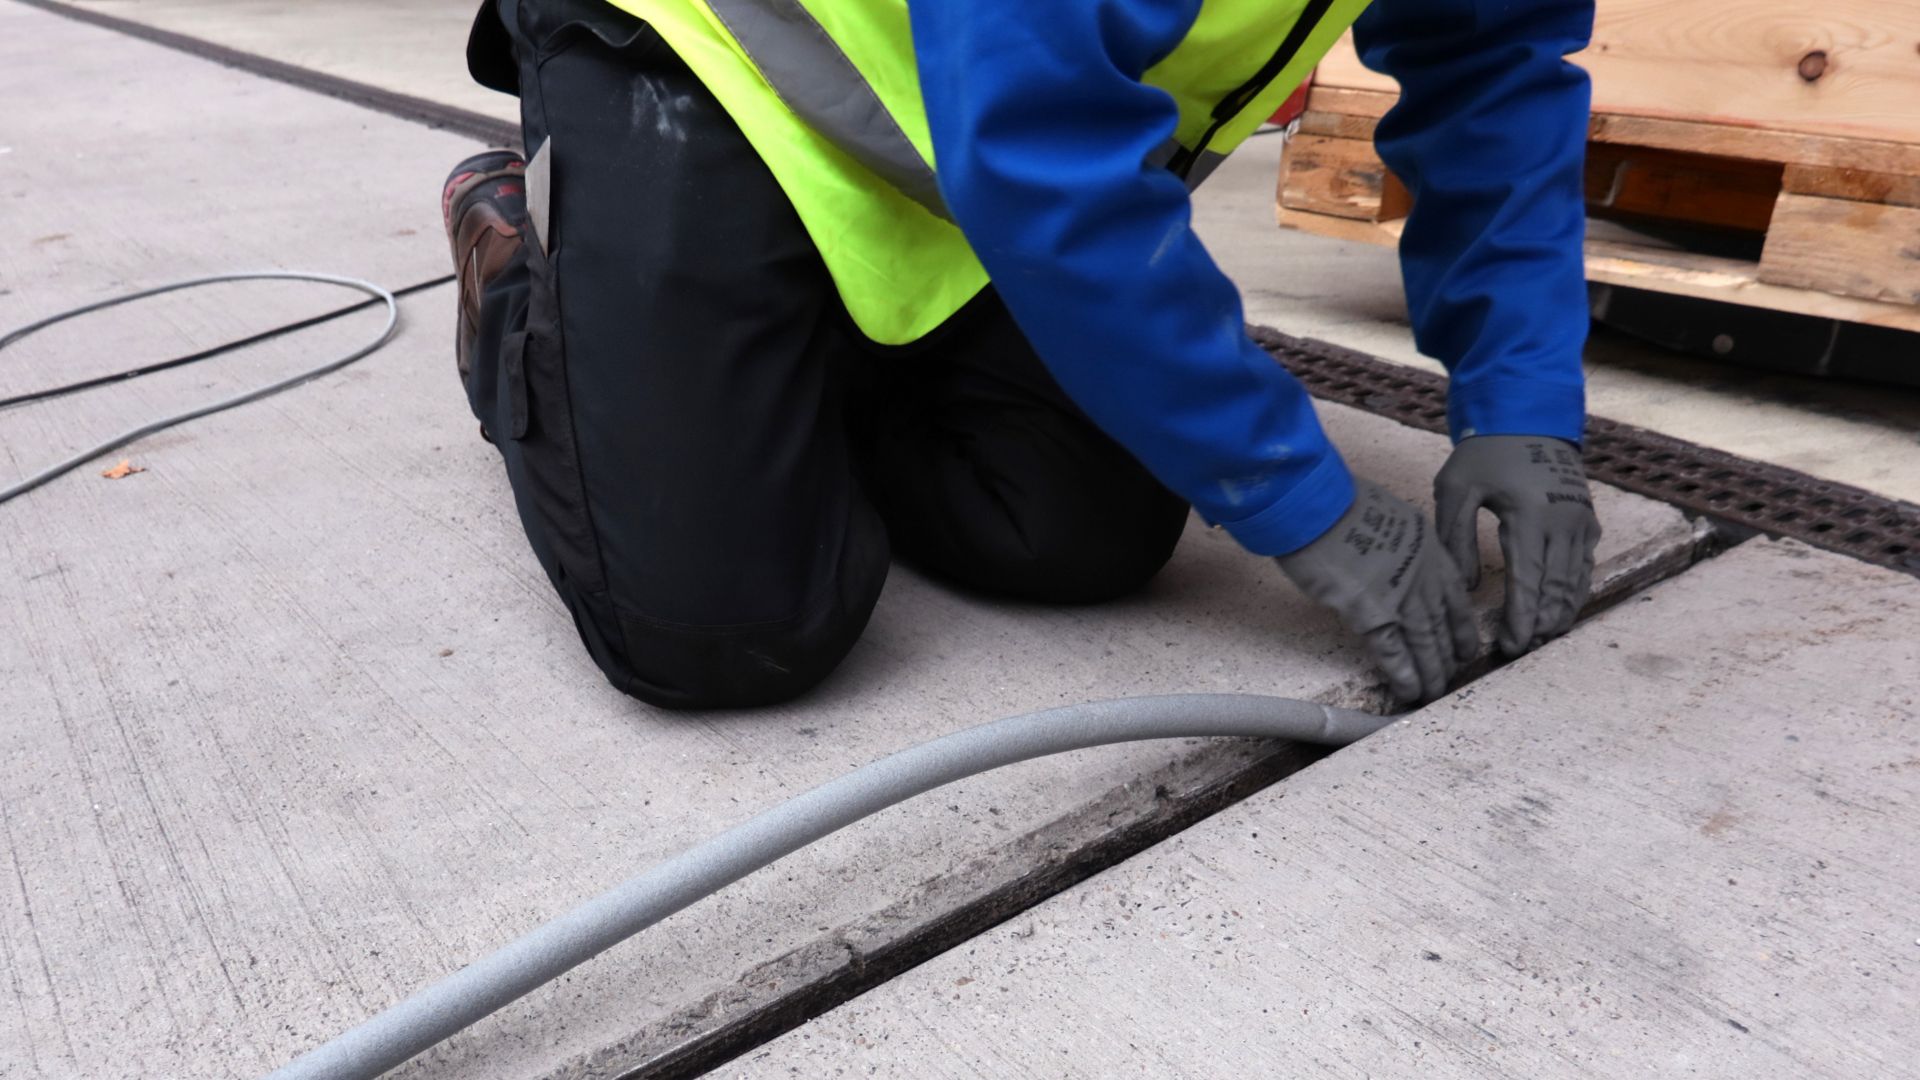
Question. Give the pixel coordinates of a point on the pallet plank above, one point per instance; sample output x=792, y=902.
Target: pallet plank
x=1636, y=181
x=1337, y=125
x=1378, y=233
x=1786, y=147
x=1841, y=182
x=1348, y=101
x=1843, y=246
x=1345, y=177
x=1353, y=114
x=1677, y=273
x=1846, y=67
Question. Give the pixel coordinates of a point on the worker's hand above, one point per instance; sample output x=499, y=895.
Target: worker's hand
x=1537, y=488
x=1384, y=571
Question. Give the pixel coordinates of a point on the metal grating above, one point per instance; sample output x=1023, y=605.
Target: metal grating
x=1766, y=498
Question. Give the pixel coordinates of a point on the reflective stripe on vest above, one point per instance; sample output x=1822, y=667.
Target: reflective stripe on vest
x=815, y=79
x=828, y=94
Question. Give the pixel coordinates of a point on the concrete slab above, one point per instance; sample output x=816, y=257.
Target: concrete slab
x=1675, y=843
x=293, y=724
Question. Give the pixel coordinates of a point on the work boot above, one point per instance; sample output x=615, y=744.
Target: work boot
x=484, y=206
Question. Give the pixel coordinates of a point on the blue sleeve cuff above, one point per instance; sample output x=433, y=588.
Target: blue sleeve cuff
x=1517, y=407
x=1300, y=516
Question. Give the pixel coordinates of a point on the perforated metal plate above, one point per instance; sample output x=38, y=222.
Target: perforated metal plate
x=1726, y=487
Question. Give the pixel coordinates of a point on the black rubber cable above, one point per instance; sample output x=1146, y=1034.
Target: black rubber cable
x=380, y=295
x=217, y=350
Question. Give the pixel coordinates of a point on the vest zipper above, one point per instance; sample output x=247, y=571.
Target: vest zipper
x=1230, y=106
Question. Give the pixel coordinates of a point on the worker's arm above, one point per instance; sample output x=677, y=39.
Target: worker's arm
x=1042, y=131
x=1490, y=137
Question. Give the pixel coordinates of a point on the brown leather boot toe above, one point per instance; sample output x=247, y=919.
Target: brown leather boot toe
x=484, y=206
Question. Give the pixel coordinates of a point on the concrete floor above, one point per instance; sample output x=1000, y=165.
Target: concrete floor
x=293, y=721
x=1675, y=843
x=417, y=47
x=1346, y=293
x=295, y=724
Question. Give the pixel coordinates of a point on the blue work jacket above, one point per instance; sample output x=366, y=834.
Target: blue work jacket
x=1042, y=131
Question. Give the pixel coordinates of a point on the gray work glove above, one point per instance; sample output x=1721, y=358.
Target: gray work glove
x=1382, y=569
x=1537, y=488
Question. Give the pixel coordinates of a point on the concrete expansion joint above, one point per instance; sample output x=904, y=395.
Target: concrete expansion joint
x=1508, y=887
x=994, y=888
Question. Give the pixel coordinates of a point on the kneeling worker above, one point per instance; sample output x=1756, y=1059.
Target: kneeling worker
x=789, y=286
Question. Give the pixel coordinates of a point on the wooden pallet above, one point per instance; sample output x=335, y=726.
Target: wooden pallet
x=1803, y=198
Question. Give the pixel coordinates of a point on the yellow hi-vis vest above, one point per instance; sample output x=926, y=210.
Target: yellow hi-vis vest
x=828, y=94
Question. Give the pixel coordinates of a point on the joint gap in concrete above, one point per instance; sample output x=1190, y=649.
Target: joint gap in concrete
x=417, y=110
x=1041, y=865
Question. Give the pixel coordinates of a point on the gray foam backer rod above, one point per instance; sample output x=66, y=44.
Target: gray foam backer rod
x=549, y=951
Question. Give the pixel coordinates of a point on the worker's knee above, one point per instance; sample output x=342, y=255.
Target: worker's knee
x=722, y=665
x=1099, y=554
x=697, y=668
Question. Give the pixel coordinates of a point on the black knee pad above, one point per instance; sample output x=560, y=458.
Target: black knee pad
x=731, y=667
x=1104, y=556
x=738, y=666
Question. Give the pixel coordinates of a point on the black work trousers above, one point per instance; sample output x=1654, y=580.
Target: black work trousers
x=711, y=463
